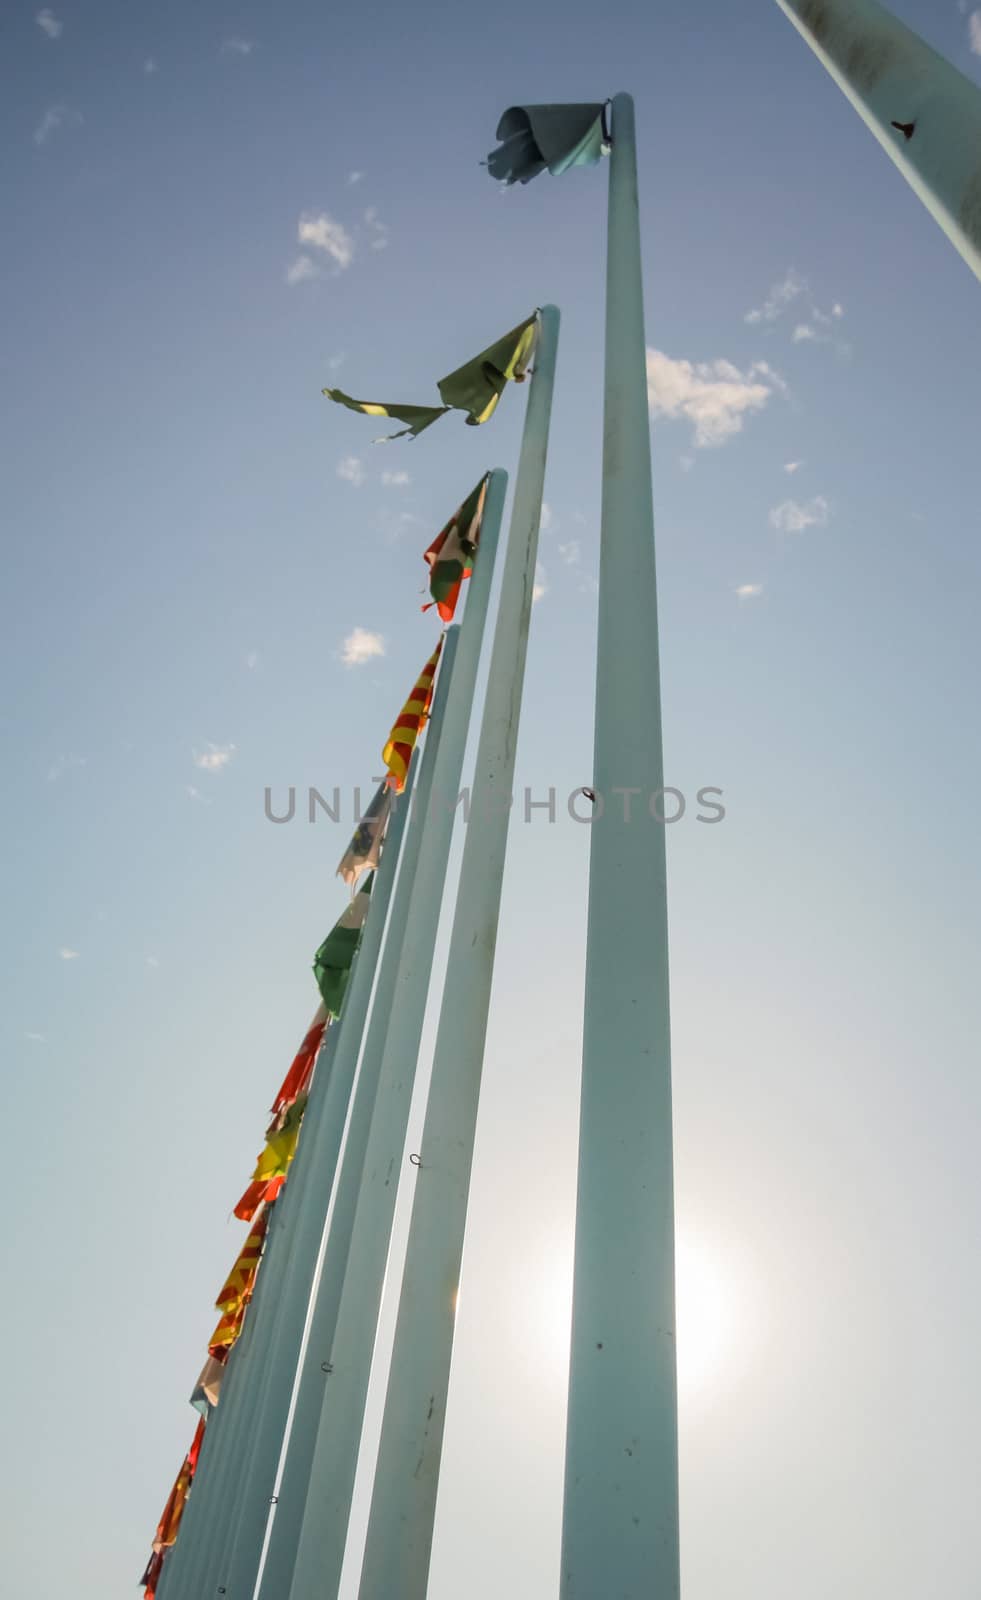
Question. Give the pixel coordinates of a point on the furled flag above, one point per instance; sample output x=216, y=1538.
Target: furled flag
x=174, y=1509
x=364, y=851
x=477, y=386
x=450, y=557
x=556, y=137
x=208, y=1387
x=297, y=1080
x=237, y=1287
x=408, y=724
x=271, y=1167
x=332, y=963
x=151, y=1574
x=417, y=417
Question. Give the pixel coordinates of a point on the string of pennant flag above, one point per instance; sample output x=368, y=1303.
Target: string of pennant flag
x=475, y=388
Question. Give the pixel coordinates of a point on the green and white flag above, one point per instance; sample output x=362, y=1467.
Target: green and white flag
x=332, y=963
x=364, y=852
x=477, y=386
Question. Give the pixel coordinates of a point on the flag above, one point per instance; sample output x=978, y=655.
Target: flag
x=238, y=1285
x=227, y=1332
x=281, y=1141
x=206, y=1391
x=556, y=137
x=364, y=851
x=261, y=1191
x=300, y=1073
x=477, y=386
x=174, y=1509
x=408, y=724
x=451, y=555
x=417, y=417
x=332, y=963
x=151, y=1574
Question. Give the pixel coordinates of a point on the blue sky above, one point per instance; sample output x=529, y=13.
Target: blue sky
x=193, y=534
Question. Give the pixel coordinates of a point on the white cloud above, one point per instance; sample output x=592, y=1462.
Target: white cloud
x=196, y=794
x=215, y=757
x=54, y=118
x=361, y=646
x=335, y=362
x=791, y=516
x=354, y=177
x=395, y=480
x=152, y=961
x=36, y=1038
x=301, y=270
x=149, y=66
x=540, y=586
x=68, y=955
x=548, y=518
x=49, y=24
x=378, y=230
x=64, y=764
x=235, y=45
x=714, y=396
x=252, y=660
x=779, y=298
x=323, y=233
x=974, y=32
x=792, y=466
x=748, y=591
x=351, y=470
x=803, y=331
x=570, y=553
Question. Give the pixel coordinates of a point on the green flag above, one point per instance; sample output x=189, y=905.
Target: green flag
x=417, y=417
x=451, y=555
x=534, y=138
x=477, y=386
x=332, y=963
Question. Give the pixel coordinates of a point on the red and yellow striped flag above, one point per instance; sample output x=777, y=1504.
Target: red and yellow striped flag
x=174, y=1509
x=238, y=1284
x=402, y=740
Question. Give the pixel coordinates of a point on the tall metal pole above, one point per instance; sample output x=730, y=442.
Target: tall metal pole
x=308, y=1395
x=252, y=1487
x=406, y=1479
x=925, y=114
x=620, y=1524
x=320, y=1550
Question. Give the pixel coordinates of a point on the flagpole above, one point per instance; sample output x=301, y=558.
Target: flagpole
x=260, y=1470
x=407, y=1474
x=319, y=1549
x=311, y=1167
x=620, y=1524
x=287, y=1517
x=924, y=113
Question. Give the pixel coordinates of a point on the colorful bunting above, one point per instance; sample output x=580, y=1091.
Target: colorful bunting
x=332, y=962
x=451, y=555
x=364, y=851
x=477, y=386
x=408, y=725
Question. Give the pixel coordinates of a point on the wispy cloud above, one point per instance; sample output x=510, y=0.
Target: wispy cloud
x=336, y=361
x=802, y=332
x=779, y=298
x=54, y=118
x=152, y=961
x=300, y=270
x=351, y=469
x=548, y=517
x=64, y=764
x=252, y=660
x=792, y=466
x=214, y=758
x=321, y=232
x=540, y=586
x=974, y=32
x=361, y=646
x=354, y=177
x=235, y=45
x=68, y=955
x=570, y=553
x=377, y=230
x=749, y=591
x=195, y=794
x=395, y=480
x=714, y=396
x=149, y=66
x=36, y=1038
x=793, y=516
x=49, y=24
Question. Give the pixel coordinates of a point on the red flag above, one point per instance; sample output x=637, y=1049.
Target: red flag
x=297, y=1080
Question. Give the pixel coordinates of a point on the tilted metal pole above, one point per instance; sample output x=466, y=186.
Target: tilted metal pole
x=620, y=1523
x=406, y=1479
x=924, y=113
